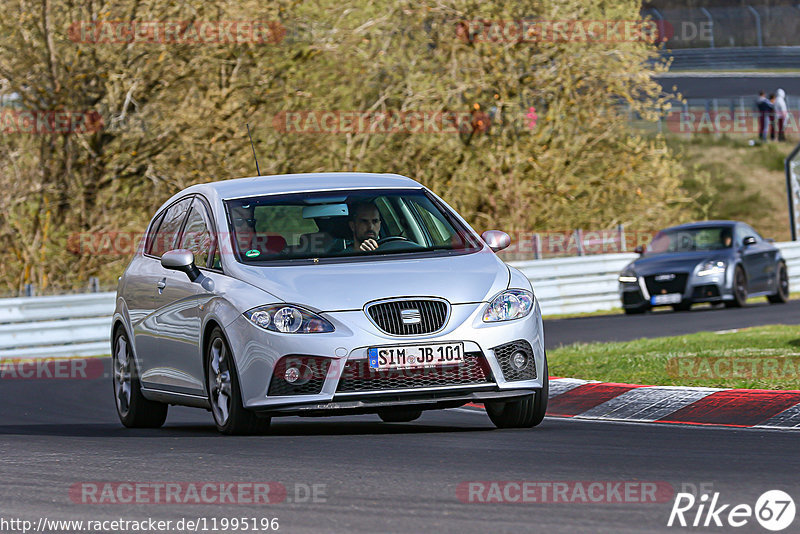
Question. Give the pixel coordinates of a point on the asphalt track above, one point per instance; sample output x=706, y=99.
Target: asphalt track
x=729, y=85
x=380, y=477
x=665, y=322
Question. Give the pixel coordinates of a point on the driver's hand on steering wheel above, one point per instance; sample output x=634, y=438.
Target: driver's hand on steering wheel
x=368, y=245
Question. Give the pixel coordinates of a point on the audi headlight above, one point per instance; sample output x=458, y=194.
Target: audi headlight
x=711, y=267
x=508, y=305
x=628, y=276
x=288, y=319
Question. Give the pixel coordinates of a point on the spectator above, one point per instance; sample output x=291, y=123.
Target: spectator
x=781, y=113
x=764, y=110
x=772, y=117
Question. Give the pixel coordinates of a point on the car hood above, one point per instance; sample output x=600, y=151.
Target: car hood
x=674, y=262
x=349, y=286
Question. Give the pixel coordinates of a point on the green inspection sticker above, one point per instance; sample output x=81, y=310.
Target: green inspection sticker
x=252, y=253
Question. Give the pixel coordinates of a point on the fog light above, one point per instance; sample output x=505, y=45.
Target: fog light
x=291, y=375
x=519, y=360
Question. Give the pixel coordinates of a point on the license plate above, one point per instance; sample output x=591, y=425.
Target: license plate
x=669, y=298
x=415, y=356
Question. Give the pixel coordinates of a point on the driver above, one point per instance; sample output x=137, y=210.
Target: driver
x=726, y=237
x=365, y=223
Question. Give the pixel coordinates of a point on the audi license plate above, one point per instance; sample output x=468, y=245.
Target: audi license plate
x=415, y=356
x=669, y=298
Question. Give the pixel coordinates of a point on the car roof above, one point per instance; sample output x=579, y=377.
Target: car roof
x=301, y=183
x=702, y=224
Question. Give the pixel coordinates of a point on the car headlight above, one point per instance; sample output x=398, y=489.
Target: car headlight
x=711, y=267
x=628, y=276
x=288, y=319
x=508, y=305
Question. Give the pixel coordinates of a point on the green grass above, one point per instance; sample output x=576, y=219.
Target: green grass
x=765, y=357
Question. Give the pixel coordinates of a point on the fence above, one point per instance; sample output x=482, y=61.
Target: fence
x=80, y=325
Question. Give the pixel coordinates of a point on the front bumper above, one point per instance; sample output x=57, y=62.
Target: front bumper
x=692, y=289
x=257, y=352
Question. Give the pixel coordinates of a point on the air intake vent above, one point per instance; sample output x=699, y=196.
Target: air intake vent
x=409, y=317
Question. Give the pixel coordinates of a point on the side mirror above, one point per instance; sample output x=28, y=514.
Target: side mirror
x=496, y=239
x=639, y=250
x=181, y=260
x=749, y=240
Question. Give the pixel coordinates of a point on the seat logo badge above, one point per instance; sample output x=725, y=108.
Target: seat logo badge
x=411, y=316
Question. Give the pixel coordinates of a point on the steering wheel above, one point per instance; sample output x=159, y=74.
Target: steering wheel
x=390, y=238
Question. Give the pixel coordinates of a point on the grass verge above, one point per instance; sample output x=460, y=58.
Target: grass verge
x=766, y=357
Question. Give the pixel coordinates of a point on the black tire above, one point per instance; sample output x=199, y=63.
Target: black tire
x=224, y=394
x=399, y=415
x=683, y=306
x=739, y=289
x=782, y=291
x=133, y=409
x=525, y=413
x=634, y=311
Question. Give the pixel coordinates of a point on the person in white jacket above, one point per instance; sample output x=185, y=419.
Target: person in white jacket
x=781, y=112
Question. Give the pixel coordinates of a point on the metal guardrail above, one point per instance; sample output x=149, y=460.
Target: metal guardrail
x=80, y=325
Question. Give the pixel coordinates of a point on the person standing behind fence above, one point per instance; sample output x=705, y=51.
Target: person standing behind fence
x=771, y=117
x=764, y=108
x=781, y=113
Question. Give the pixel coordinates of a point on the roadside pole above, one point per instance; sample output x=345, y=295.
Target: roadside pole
x=792, y=166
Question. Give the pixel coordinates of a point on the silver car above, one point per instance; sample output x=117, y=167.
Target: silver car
x=711, y=261
x=323, y=294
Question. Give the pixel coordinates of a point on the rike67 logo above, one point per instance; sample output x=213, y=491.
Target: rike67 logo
x=774, y=510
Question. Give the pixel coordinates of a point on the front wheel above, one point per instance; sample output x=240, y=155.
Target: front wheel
x=782, y=291
x=224, y=394
x=525, y=413
x=133, y=409
x=683, y=306
x=739, y=289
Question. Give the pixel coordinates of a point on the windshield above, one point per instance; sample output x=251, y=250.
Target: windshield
x=343, y=224
x=691, y=239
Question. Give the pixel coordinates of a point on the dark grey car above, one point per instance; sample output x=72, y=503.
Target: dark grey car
x=711, y=261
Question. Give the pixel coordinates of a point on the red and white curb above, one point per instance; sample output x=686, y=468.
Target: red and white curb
x=747, y=408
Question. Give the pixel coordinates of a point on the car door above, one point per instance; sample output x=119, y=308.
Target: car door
x=139, y=296
x=178, y=308
x=154, y=365
x=755, y=258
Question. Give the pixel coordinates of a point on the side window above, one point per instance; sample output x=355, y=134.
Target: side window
x=167, y=233
x=151, y=235
x=197, y=235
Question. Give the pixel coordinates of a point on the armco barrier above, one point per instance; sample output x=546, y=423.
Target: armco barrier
x=50, y=327
x=80, y=325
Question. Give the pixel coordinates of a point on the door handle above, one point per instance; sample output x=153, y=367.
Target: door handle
x=161, y=285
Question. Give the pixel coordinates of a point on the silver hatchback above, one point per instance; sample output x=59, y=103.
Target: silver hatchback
x=323, y=294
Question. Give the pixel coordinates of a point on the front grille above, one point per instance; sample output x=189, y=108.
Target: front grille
x=676, y=285
x=312, y=376
x=358, y=376
x=503, y=354
x=409, y=317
